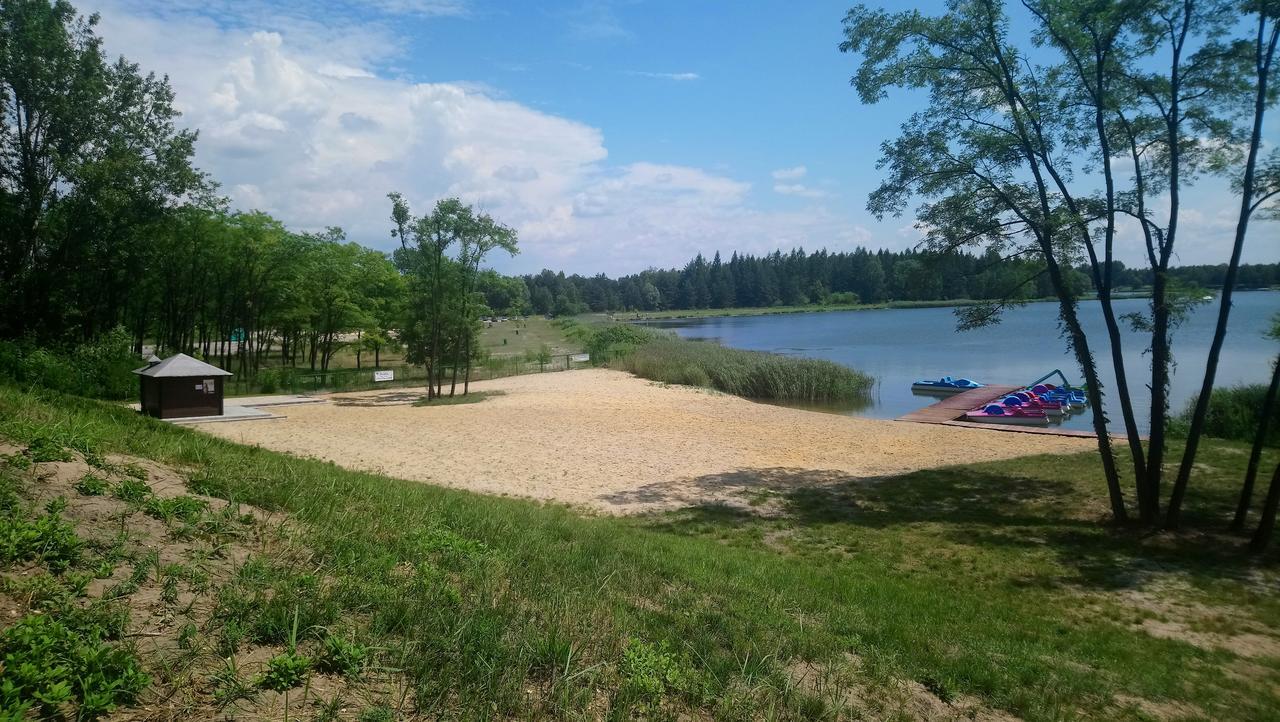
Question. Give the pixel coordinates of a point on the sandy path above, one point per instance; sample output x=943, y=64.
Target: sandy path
x=616, y=443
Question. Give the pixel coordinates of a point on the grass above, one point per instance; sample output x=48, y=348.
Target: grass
x=517, y=338
x=996, y=583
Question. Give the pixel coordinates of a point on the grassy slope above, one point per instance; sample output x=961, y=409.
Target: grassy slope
x=995, y=581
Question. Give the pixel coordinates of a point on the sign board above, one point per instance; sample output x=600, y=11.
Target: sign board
x=580, y=357
x=384, y=375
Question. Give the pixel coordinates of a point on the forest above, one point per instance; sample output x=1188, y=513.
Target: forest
x=833, y=277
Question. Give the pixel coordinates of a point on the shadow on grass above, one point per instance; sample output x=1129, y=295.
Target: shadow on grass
x=984, y=506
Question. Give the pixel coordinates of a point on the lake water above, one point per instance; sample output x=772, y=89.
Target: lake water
x=899, y=346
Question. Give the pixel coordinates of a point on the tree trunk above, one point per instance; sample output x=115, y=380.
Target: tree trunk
x=1267, y=523
x=1264, y=57
x=1255, y=456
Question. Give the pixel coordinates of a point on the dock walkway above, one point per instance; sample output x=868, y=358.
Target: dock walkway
x=950, y=410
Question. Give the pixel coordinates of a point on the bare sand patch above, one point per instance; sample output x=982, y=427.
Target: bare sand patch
x=616, y=443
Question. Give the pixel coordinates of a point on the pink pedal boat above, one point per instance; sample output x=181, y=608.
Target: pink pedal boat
x=1016, y=415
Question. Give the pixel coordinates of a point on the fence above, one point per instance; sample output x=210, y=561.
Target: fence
x=301, y=381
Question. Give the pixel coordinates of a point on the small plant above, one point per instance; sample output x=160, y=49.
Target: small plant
x=182, y=508
x=229, y=687
x=652, y=672
x=285, y=671
x=43, y=449
x=133, y=491
x=21, y=462
x=380, y=713
x=288, y=670
x=48, y=539
x=339, y=656
x=91, y=485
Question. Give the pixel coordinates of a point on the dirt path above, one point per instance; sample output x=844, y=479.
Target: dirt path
x=616, y=443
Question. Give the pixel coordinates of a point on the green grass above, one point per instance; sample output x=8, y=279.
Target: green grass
x=517, y=338
x=998, y=582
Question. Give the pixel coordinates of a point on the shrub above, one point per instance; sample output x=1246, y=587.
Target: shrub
x=98, y=369
x=1234, y=413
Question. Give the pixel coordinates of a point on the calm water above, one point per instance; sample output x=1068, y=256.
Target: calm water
x=899, y=346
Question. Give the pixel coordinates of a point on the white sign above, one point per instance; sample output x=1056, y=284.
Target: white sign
x=384, y=375
x=580, y=357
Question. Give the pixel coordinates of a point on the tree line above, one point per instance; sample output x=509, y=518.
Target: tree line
x=823, y=277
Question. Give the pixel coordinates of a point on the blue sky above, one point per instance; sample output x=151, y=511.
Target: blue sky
x=613, y=134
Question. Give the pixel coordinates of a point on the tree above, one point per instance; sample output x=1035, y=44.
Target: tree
x=91, y=165
x=978, y=154
x=1260, y=436
x=1252, y=195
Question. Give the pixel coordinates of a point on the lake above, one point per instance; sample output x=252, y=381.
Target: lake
x=899, y=346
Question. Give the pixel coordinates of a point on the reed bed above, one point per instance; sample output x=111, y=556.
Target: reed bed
x=664, y=357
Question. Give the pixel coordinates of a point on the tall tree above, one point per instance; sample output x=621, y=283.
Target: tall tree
x=1252, y=196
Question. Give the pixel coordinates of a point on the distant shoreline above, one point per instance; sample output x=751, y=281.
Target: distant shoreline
x=638, y=316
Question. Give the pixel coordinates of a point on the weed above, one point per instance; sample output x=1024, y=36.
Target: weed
x=21, y=462
x=379, y=713
x=182, y=508
x=43, y=449
x=650, y=673
x=285, y=671
x=48, y=539
x=228, y=686
x=134, y=491
x=91, y=485
x=339, y=656
x=48, y=664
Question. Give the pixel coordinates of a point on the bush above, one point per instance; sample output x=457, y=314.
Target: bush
x=98, y=369
x=1234, y=413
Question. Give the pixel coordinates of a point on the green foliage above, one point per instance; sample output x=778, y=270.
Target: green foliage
x=650, y=673
x=341, y=656
x=98, y=369
x=47, y=664
x=47, y=538
x=1234, y=413
x=43, y=449
x=181, y=508
x=132, y=490
x=91, y=485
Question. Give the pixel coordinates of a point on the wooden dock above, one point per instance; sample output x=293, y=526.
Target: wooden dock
x=949, y=410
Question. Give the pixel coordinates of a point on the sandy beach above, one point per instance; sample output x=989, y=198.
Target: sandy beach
x=615, y=443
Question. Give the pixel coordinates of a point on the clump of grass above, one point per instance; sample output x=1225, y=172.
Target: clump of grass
x=1234, y=413
x=132, y=490
x=473, y=397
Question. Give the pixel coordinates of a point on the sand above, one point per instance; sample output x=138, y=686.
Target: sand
x=612, y=442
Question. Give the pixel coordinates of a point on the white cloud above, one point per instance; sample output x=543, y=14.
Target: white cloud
x=666, y=76
x=799, y=189
x=784, y=174
x=316, y=134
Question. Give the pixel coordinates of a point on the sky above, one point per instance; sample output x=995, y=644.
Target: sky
x=613, y=135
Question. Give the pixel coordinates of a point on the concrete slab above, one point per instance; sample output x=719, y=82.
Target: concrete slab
x=275, y=400
x=229, y=413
